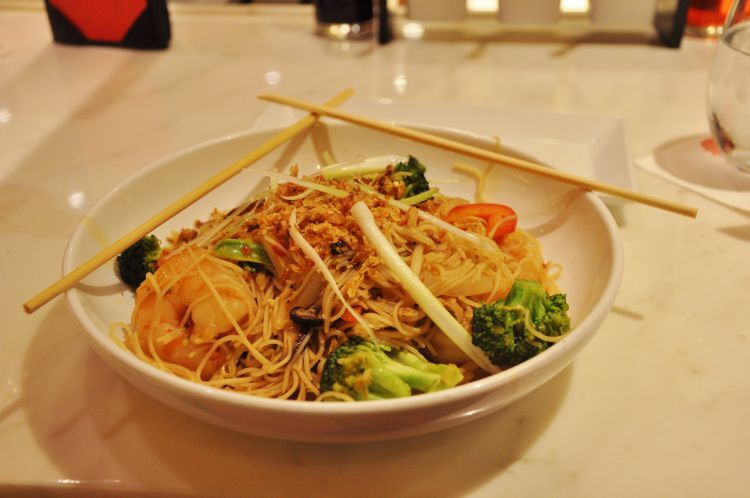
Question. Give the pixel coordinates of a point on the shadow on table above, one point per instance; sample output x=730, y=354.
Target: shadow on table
x=103, y=434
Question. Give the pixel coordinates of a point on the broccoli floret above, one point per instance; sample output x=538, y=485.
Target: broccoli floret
x=138, y=260
x=412, y=173
x=407, y=170
x=366, y=370
x=502, y=329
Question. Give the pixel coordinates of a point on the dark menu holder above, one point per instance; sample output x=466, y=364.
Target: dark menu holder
x=141, y=24
x=669, y=21
x=343, y=11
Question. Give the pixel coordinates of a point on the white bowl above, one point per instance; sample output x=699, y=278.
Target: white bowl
x=575, y=228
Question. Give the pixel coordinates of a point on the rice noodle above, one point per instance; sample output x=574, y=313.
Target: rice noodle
x=229, y=327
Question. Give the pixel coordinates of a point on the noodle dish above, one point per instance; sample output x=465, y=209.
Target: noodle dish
x=351, y=286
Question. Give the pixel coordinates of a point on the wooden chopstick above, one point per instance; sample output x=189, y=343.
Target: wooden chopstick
x=485, y=155
x=149, y=225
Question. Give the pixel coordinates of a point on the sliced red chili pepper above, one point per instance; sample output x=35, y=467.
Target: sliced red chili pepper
x=348, y=317
x=501, y=219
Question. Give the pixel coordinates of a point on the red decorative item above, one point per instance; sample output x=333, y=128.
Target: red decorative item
x=125, y=23
x=102, y=20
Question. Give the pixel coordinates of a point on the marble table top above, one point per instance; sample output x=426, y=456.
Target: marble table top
x=656, y=405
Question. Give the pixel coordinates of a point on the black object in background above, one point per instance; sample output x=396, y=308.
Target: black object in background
x=141, y=25
x=384, y=23
x=669, y=21
x=343, y=11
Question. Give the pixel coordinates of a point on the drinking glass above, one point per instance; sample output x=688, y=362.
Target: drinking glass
x=729, y=87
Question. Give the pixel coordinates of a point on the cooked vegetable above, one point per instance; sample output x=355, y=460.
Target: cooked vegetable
x=348, y=317
x=138, y=260
x=333, y=191
x=366, y=370
x=412, y=174
x=245, y=250
x=405, y=169
x=365, y=167
x=522, y=325
x=501, y=219
x=309, y=317
x=421, y=197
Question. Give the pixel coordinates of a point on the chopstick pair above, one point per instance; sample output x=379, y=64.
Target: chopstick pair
x=486, y=155
x=305, y=123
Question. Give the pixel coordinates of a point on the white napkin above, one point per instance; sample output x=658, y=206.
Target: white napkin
x=695, y=164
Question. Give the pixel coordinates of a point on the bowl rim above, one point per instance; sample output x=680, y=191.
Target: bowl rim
x=577, y=337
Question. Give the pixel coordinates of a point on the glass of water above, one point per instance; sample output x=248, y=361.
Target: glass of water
x=729, y=87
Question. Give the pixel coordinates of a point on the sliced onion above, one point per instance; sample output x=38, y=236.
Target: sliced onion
x=336, y=192
x=368, y=166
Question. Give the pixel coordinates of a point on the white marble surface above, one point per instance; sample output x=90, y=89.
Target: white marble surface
x=656, y=405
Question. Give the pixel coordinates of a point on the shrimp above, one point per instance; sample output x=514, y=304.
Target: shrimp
x=186, y=304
